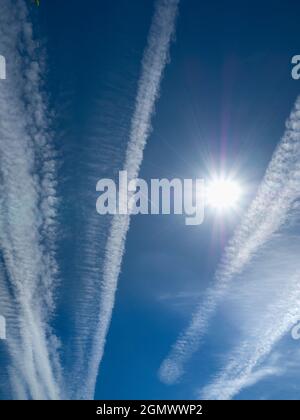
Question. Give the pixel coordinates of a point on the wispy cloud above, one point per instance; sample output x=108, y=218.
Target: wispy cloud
x=154, y=61
x=244, y=367
x=268, y=212
x=27, y=210
x=225, y=389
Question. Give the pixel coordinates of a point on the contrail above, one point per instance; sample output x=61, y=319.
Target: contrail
x=27, y=211
x=154, y=62
x=244, y=366
x=269, y=210
x=227, y=389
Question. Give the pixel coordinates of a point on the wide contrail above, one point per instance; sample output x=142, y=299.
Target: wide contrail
x=268, y=211
x=154, y=62
x=27, y=211
x=244, y=367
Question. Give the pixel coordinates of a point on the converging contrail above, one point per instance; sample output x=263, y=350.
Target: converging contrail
x=27, y=212
x=267, y=213
x=244, y=366
x=154, y=62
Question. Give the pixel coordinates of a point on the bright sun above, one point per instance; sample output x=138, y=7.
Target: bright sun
x=223, y=194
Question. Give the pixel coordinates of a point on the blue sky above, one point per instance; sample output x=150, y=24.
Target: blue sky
x=223, y=101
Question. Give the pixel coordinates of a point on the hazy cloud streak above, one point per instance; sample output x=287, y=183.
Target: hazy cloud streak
x=267, y=213
x=27, y=210
x=244, y=368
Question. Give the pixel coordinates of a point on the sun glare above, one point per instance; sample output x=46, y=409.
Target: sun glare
x=223, y=194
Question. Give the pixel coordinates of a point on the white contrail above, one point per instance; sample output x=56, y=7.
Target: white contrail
x=244, y=366
x=154, y=61
x=227, y=389
x=27, y=208
x=269, y=210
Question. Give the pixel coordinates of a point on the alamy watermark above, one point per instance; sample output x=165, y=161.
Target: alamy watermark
x=2, y=77
x=295, y=331
x=2, y=328
x=2, y=67
x=296, y=69
x=160, y=196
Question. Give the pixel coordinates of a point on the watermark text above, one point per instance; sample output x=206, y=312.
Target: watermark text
x=160, y=196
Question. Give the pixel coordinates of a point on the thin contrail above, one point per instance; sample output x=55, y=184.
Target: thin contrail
x=154, y=62
x=27, y=210
x=269, y=210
